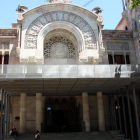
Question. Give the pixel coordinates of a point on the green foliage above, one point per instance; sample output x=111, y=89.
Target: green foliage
x=134, y=3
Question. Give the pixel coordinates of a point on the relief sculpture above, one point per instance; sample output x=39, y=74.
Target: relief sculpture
x=37, y=25
x=113, y=46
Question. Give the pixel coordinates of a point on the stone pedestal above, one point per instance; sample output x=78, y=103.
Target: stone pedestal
x=23, y=112
x=100, y=111
x=86, y=117
x=38, y=111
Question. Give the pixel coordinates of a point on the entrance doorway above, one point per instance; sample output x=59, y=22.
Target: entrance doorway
x=61, y=120
x=59, y=114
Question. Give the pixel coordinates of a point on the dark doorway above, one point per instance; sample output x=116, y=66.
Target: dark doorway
x=59, y=114
x=127, y=117
x=61, y=120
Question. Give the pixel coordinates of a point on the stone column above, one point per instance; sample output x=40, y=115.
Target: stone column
x=38, y=111
x=100, y=111
x=86, y=118
x=23, y=111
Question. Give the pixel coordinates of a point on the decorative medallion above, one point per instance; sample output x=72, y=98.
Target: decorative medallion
x=59, y=49
x=60, y=46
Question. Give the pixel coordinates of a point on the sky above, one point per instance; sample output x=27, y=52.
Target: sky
x=112, y=10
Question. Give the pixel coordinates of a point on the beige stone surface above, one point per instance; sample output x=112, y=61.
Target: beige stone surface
x=23, y=112
x=39, y=113
x=86, y=115
x=101, y=118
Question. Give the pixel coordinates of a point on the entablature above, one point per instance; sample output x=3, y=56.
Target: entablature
x=117, y=34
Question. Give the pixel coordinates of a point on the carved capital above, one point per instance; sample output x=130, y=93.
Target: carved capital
x=24, y=60
x=83, y=59
x=97, y=60
x=39, y=60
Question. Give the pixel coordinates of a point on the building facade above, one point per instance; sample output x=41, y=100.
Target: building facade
x=61, y=71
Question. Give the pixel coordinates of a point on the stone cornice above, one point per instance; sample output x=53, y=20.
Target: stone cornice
x=61, y=6
x=8, y=33
x=117, y=34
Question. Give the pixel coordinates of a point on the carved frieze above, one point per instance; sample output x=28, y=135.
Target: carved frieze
x=4, y=45
x=117, y=46
x=37, y=25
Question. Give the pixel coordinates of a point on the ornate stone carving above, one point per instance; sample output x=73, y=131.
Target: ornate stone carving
x=4, y=45
x=97, y=60
x=58, y=1
x=59, y=46
x=24, y=60
x=118, y=46
x=39, y=60
x=37, y=25
x=117, y=34
x=83, y=59
x=60, y=49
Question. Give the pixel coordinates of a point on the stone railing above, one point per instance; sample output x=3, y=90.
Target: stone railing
x=117, y=34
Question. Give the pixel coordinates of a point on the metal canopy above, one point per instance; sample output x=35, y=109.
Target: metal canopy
x=67, y=80
x=66, y=87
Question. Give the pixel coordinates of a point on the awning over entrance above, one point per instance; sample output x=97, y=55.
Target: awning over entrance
x=62, y=80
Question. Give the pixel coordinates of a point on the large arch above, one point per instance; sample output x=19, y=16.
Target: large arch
x=60, y=19
x=61, y=25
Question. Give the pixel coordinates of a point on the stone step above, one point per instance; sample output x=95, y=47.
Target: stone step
x=115, y=132
x=9, y=139
x=122, y=136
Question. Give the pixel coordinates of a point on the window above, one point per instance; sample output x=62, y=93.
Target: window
x=0, y=59
x=126, y=28
x=110, y=59
x=127, y=59
x=119, y=59
x=6, y=59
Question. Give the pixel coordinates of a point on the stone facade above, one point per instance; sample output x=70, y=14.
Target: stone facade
x=62, y=33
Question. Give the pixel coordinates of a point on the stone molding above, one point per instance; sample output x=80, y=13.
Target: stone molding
x=8, y=32
x=117, y=34
x=60, y=6
x=4, y=45
x=60, y=1
x=35, y=27
x=117, y=46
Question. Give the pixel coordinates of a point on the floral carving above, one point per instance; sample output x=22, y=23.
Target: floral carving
x=112, y=46
x=33, y=30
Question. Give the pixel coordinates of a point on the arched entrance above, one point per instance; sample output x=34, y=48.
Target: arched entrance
x=127, y=117
x=59, y=114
